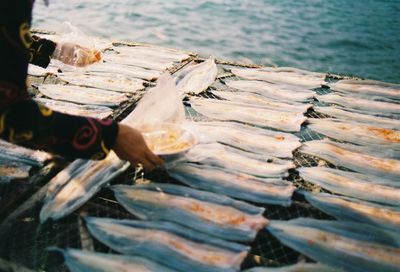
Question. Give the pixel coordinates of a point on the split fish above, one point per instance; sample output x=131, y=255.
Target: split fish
x=278, y=92
x=299, y=267
x=233, y=183
x=83, y=95
x=153, y=53
x=346, y=245
x=229, y=111
x=283, y=75
x=353, y=184
x=196, y=78
x=13, y=170
x=177, y=247
x=147, y=63
x=206, y=212
x=131, y=71
x=15, y=153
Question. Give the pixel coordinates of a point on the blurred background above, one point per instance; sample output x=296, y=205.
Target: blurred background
x=358, y=37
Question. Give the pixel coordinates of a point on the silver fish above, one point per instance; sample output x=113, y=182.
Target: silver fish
x=360, y=118
x=87, y=261
x=353, y=184
x=116, y=83
x=230, y=158
x=169, y=244
x=147, y=63
x=153, y=53
x=229, y=111
x=13, y=170
x=345, y=245
x=206, y=212
x=15, y=153
x=345, y=208
x=100, y=112
x=70, y=191
x=196, y=78
x=257, y=100
x=273, y=91
x=285, y=75
x=131, y=71
x=299, y=267
x=362, y=105
x=34, y=70
x=260, y=141
x=234, y=184
x=83, y=95
x=355, y=158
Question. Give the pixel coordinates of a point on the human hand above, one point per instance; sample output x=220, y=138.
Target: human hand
x=130, y=146
x=76, y=55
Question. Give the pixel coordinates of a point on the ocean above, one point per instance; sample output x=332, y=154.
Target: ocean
x=358, y=38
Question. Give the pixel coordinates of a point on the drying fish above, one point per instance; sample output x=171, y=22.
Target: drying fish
x=262, y=101
x=13, y=170
x=100, y=112
x=170, y=244
x=345, y=208
x=83, y=95
x=15, y=153
x=260, y=141
x=34, y=70
x=234, y=184
x=196, y=78
x=367, y=88
x=361, y=134
x=346, y=245
x=114, y=83
x=299, y=267
x=362, y=105
x=360, y=159
x=230, y=111
x=153, y=64
x=131, y=71
x=77, y=184
x=153, y=53
x=230, y=158
x=283, y=75
x=353, y=184
x=206, y=212
x=87, y=261
x=273, y=91
x=360, y=118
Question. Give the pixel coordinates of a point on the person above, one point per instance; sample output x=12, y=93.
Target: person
x=30, y=124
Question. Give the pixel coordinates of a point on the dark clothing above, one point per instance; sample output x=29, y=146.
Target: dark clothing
x=22, y=120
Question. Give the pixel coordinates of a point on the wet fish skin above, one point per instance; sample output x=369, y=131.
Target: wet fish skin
x=206, y=212
x=348, y=209
x=177, y=247
x=347, y=245
x=299, y=267
x=15, y=153
x=233, y=184
x=13, y=170
x=353, y=184
x=87, y=261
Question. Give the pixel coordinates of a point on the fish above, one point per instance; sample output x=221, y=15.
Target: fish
x=299, y=267
x=348, y=209
x=213, y=214
x=283, y=75
x=116, y=83
x=87, y=261
x=229, y=111
x=77, y=184
x=277, y=92
x=345, y=245
x=353, y=184
x=356, y=158
x=367, y=88
x=360, y=118
x=232, y=183
x=231, y=158
x=34, y=70
x=265, y=142
x=360, y=105
x=196, y=78
x=360, y=134
x=83, y=95
x=147, y=63
x=14, y=153
x=169, y=244
x=13, y=171
x=131, y=71
x=153, y=53
x=94, y=111
x=256, y=100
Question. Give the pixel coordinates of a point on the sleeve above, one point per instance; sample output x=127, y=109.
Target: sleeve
x=22, y=120
x=40, y=51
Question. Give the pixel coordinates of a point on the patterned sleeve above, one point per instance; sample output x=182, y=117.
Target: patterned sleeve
x=22, y=120
x=40, y=51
